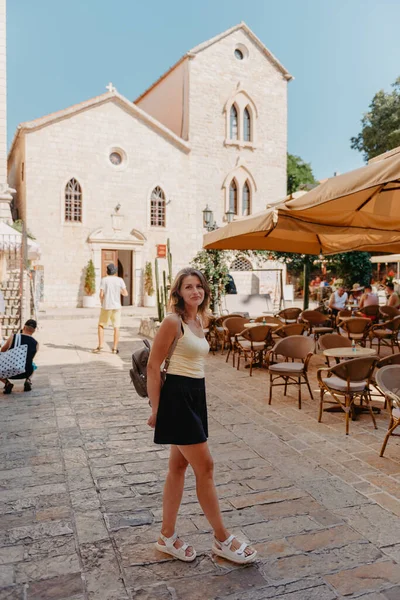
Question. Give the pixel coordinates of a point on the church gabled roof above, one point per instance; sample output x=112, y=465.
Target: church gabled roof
x=214, y=40
x=253, y=37
x=112, y=96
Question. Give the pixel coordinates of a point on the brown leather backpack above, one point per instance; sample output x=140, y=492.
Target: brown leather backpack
x=140, y=358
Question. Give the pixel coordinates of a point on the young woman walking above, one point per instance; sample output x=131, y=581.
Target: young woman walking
x=179, y=416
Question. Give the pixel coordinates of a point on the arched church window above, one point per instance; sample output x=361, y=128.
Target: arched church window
x=73, y=201
x=233, y=123
x=233, y=200
x=246, y=125
x=157, y=209
x=246, y=199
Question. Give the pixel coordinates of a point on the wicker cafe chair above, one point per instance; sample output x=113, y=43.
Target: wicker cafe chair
x=372, y=312
x=220, y=333
x=317, y=323
x=388, y=312
x=291, y=329
x=345, y=382
x=386, y=333
x=234, y=327
x=289, y=315
x=343, y=314
x=333, y=340
x=292, y=373
x=357, y=329
x=392, y=359
x=253, y=344
x=388, y=380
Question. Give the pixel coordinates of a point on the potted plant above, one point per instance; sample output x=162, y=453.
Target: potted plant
x=89, y=299
x=149, y=296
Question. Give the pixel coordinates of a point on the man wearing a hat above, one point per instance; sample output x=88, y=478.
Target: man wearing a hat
x=111, y=289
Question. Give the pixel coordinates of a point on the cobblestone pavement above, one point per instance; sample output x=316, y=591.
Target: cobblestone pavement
x=81, y=484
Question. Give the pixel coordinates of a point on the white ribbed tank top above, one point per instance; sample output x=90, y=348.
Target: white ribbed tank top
x=189, y=354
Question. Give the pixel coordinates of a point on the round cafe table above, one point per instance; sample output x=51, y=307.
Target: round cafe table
x=348, y=352
x=266, y=324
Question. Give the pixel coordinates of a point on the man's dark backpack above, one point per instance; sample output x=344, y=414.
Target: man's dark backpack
x=140, y=358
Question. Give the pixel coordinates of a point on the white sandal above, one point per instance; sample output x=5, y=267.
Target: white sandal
x=237, y=556
x=169, y=548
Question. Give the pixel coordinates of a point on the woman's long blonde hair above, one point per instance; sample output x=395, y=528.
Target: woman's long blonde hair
x=176, y=302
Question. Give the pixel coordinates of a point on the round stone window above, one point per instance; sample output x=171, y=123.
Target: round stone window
x=241, y=52
x=115, y=158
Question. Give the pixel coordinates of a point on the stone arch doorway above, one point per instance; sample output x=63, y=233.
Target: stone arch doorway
x=123, y=249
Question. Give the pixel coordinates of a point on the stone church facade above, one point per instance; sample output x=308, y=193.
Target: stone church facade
x=110, y=179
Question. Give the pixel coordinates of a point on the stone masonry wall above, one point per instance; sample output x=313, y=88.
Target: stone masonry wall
x=79, y=147
x=215, y=74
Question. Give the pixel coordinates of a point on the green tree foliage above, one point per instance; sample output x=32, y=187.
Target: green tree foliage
x=90, y=279
x=299, y=174
x=352, y=267
x=293, y=261
x=214, y=265
x=380, y=126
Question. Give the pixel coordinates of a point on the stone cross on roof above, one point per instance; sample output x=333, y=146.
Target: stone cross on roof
x=111, y=88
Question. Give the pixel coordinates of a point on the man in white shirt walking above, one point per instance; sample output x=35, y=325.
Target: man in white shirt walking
x=111, y=289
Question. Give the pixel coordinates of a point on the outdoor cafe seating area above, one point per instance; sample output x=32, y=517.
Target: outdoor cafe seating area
x=360, y=372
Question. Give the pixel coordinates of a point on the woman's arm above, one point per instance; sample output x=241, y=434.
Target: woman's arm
x=170, y=328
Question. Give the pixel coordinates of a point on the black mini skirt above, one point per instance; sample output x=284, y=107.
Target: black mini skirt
x=182, y=412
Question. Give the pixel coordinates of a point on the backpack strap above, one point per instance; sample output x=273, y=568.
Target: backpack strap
x=17, y=341
x=172, y=348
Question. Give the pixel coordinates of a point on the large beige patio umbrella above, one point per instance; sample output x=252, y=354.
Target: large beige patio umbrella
x=359, y=210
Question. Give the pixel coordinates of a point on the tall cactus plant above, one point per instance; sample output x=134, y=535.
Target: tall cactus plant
x=169, y=257
x=164, y=288
x=160, y=304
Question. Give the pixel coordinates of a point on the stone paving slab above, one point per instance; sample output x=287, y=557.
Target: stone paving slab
x=81, y=488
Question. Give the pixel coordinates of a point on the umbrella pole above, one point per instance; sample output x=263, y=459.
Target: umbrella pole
x=306, y=285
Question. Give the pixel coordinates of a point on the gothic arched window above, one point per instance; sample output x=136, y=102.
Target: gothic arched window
x=157, y=209
x=233, y=123
x=246, y=125
x=246, y=199
x=233, y=199
x=73, y=201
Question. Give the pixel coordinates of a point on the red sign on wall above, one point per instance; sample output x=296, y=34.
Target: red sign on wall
x=161, y=250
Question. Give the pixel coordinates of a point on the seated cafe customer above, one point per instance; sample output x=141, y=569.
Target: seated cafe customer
x=28, y=339
x=392, y=296
x=338, y=300
x=368, y=298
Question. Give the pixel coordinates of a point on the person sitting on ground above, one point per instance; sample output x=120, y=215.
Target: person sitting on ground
x=338, y=300
x=111, y=289
x=33, y=347
x=368, y=298
x=393, y=297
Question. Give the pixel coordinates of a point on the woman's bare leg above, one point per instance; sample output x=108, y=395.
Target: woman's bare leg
x=200, y=459
x=172, y=497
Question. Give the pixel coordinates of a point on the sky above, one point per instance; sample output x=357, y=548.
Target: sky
x=341, y=52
